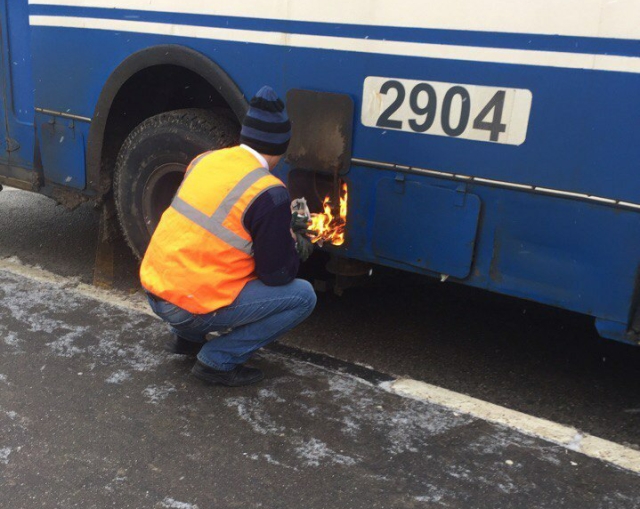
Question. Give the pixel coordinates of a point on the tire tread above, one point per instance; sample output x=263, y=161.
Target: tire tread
x=212, y=125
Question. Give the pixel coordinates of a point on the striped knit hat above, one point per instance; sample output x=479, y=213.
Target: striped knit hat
x=266, y=127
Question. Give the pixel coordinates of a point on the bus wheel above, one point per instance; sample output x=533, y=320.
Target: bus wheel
x=152, y=162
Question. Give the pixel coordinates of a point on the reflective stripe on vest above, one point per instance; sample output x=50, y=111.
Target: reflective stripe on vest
x=200, y=257
x=214, y=223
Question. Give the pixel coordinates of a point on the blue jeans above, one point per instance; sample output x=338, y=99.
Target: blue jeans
x=258, y=316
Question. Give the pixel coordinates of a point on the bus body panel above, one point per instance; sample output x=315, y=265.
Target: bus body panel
x=566, y=253
x=555, y=218
x=18, y=102
x=582, y=122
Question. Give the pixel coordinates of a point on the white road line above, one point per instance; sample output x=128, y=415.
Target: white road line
x=566, y=436
x=371, y=46
x=135, y=302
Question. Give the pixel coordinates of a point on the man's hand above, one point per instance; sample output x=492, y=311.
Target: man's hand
x=304, y=247
x=300, y=231
x=300, y=228
x=299, y=223
x=301, y=217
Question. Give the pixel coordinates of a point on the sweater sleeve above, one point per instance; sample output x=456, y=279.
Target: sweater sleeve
x=268, y=221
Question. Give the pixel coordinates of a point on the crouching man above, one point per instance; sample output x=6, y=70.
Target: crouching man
x=220, y=268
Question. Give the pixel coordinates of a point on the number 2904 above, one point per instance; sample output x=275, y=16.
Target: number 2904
x=446, y=109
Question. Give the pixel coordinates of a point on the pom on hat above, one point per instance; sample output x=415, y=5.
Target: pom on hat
x=266, y=127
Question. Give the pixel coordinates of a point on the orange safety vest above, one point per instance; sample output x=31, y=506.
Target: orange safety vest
x=200, y=255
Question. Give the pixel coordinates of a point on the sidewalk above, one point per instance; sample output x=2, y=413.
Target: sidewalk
x=94, y=414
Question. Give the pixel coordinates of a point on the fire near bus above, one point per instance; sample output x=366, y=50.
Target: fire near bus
x=492, y=144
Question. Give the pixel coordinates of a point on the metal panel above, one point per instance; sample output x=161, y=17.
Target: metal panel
x=18, y=83
x=63, y=152
x=322, y=130
x=437, y=235
x=4, y=138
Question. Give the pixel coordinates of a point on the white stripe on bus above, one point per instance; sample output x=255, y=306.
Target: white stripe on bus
x=382, y=47
x=581, y=18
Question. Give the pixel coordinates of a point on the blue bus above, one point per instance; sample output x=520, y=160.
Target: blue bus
x=493, y=144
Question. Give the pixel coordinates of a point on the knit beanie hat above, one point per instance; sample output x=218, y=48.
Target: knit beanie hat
x=266, y=127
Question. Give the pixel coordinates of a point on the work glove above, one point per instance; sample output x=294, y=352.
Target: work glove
x=299, y=223
x=304, y=247
x=299, y=228
x=300, y=214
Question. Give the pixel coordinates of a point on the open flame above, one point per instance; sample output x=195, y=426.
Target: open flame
x=327, y=226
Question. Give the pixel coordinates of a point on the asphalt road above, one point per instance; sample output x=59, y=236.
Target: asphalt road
x=95, y=414
x=539, y=360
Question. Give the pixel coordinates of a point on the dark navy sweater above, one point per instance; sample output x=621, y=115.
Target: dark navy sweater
x=268, y=221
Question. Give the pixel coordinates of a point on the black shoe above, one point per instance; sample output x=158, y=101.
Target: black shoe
x=182, y=346
x=240, y=375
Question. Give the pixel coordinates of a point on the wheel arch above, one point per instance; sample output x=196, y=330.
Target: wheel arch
x=216, y=90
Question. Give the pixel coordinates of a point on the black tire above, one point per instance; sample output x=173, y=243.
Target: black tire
x=152, y=162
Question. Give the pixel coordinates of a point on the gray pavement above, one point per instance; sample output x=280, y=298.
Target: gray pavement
x=94, y=414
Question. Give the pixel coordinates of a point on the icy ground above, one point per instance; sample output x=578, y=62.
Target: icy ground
x=93, y=413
